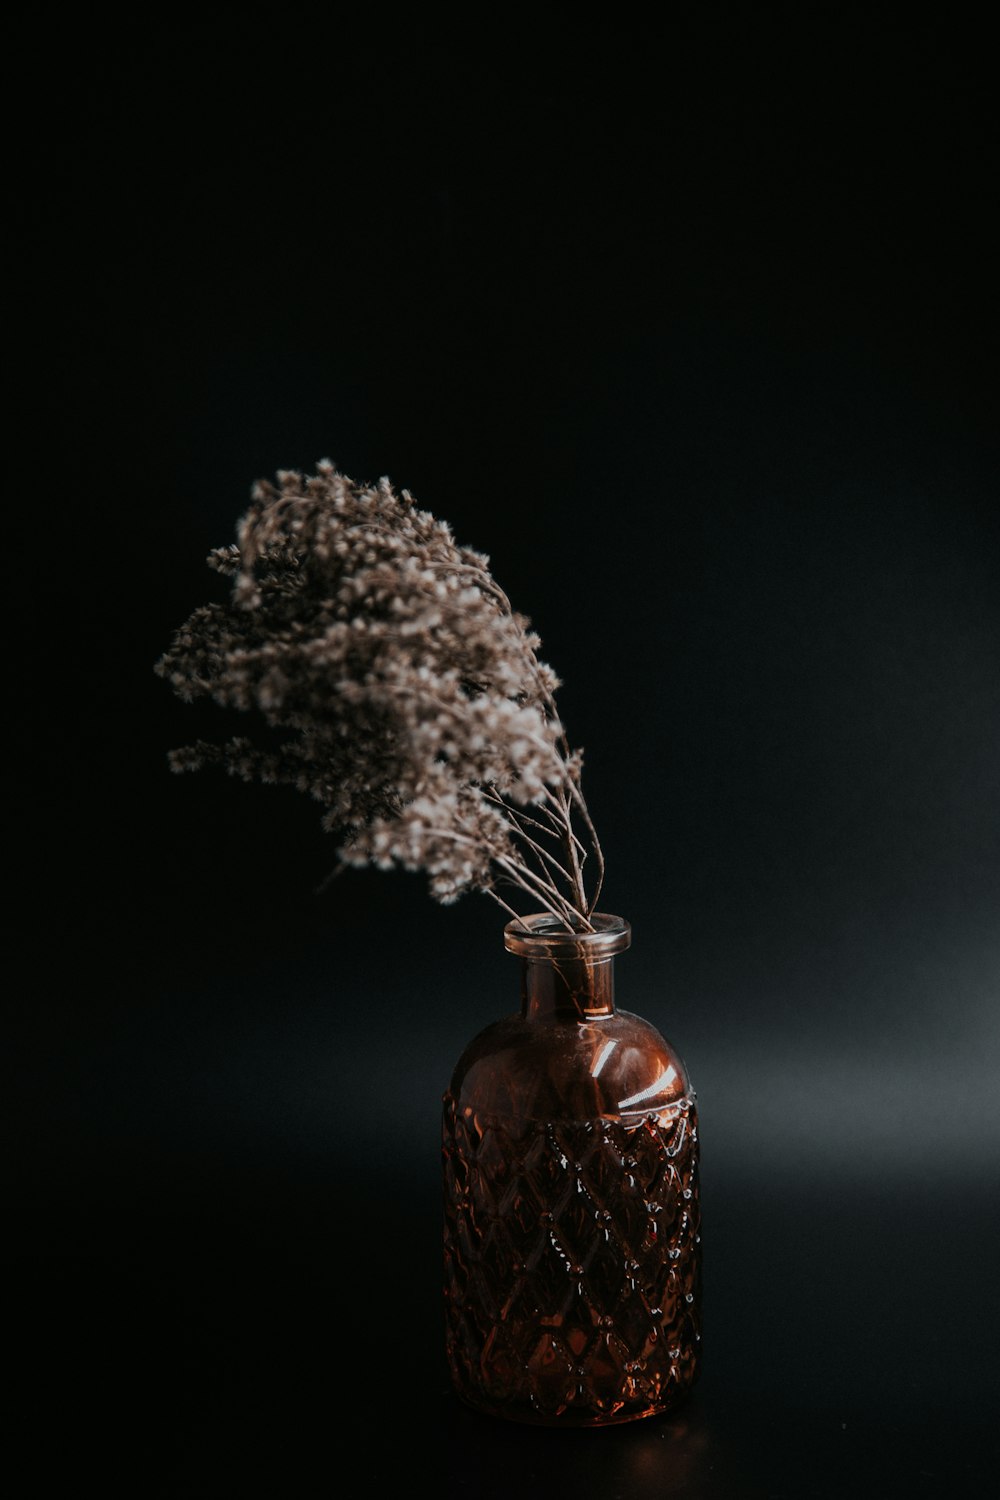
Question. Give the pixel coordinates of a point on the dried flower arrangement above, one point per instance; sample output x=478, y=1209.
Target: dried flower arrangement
x=399, y=689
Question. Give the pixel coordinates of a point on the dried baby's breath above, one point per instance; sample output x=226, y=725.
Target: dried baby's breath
x=398, y=688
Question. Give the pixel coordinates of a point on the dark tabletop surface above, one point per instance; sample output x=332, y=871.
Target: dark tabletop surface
x=277, y=1357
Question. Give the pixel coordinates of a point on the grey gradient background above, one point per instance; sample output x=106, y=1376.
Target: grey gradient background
x=697, y=341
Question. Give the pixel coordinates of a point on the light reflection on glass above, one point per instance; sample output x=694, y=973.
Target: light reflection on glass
x=664, y=1081
x=603, y=1056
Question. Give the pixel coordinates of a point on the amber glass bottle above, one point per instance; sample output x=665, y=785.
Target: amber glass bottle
x=572, y=1247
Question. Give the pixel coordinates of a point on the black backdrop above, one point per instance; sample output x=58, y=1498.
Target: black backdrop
x=694, y=332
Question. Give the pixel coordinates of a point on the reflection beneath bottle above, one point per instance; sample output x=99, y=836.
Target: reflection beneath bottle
x=673, y=1454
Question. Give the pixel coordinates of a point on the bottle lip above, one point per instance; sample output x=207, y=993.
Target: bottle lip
x=540, y=935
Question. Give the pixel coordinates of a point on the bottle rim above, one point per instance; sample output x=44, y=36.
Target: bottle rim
x=543, y=936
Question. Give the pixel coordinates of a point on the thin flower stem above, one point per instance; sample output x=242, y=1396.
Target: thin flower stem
x=537, y=884
x=521, y=873
x=489, y=891
x=564, y=825
x=549, y=859
x=595, y=844
x=517, y=812
x=528, y=880
x=570, y=845
x=519, y=832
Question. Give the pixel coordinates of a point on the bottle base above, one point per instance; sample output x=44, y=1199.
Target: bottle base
x=526, y=1415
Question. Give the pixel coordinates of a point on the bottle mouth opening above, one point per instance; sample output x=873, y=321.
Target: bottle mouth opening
x=544, y=936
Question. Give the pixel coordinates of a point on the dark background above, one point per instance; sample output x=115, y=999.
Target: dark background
x=693, y=330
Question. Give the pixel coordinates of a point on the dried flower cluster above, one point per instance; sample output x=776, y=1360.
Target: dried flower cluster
x=399, y=689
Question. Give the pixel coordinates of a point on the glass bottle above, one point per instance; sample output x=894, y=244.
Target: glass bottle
x=570, y=1153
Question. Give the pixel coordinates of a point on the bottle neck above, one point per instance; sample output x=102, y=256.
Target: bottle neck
x=567, y=988
x=567, y=974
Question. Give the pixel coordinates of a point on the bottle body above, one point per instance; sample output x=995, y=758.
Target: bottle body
x=572, y=1225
